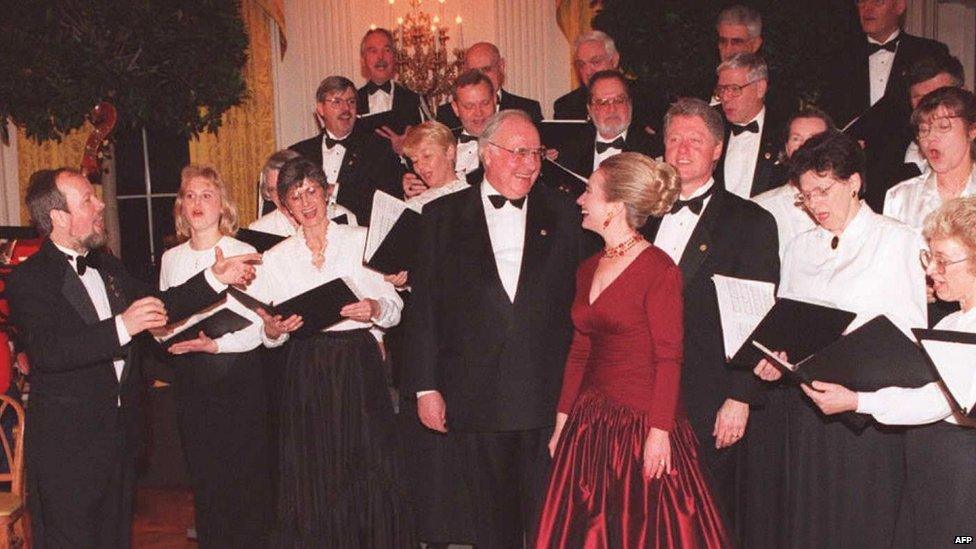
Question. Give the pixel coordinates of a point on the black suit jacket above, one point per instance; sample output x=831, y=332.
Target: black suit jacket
x=734, y=237
x=406, y=104
x=884, y=127
x=446, y=116
x=771, y=141
x=73, y=421
x=571, y=106
x=498, y=364
x=368, y=165
x=578, y=157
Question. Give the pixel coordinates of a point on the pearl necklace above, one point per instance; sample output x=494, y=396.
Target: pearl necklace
x=624, y=247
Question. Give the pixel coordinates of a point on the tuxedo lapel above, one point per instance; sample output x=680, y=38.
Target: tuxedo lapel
x=76, y=294
x=762, y=175
x=535, y=251
x=700, y=243
x=350, y=163
x=111, y=280
x=862, y=81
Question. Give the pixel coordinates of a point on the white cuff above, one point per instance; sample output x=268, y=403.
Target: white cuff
x=869, y=403
x=422, y=393
x=272, y=343
x=389, y=313
x=121, y=330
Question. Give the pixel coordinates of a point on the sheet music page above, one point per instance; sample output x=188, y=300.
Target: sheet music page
x=173, y=329
x=742, y=304
x=956, y=363
x=386, y=211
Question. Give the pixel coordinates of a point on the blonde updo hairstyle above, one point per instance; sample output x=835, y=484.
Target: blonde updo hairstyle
x=956, y=218
x=644, y=186
x=427, y=132
x=228, y=210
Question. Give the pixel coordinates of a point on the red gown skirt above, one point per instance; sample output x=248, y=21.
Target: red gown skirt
x=598, y=496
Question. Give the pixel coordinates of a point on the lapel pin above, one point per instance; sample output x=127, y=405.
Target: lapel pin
x=703, y=247
x=768, y=156
x=544, y=232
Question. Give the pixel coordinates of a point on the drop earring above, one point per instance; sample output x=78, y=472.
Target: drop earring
x=606, y=222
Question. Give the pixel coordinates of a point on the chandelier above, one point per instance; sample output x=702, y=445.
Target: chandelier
x=424, y=63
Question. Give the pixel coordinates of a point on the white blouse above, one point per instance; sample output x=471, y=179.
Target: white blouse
x=875, y=270
x=182, y=263
x=430, y=195
x=791, y=219
x=276, y=222
x=287, y=271
x=913, y=199
x=926, y=404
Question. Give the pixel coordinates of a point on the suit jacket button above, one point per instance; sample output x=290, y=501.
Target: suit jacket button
x=703, y=247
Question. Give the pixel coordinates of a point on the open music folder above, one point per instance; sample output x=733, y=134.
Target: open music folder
x=318, y=307
x=215, y=320
x=394, y=228
x=261, y=241
x=952, y=357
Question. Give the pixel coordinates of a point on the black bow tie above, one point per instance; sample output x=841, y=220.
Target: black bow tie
x=618, y=143
x=372, y=87
x=752, y=127
x=498, y=201
x=84, y=262
x=329, y=142
x=694, y=204
x=891, y=45
x=465, y=138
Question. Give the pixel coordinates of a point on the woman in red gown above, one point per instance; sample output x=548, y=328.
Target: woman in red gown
x=625, y=467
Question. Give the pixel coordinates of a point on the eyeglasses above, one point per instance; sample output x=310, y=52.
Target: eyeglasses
x=805, y=198
x=732, y=90
x=524, y=153
x=927, y=259
x=310, y=191
x=941, y=124
x=609, y=102
x=338, y=102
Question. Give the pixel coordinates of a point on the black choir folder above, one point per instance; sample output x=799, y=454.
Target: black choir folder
x=261, y=241
x=797, y=327
x=214, y=321
x=391, y=242
x=318, y=307
x=952, y=357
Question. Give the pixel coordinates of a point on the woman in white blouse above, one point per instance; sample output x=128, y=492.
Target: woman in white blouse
x=278, y=221
x=338, y=472
x=945, y=129
x=844, y=485
x=940, y=457
x=220, y=398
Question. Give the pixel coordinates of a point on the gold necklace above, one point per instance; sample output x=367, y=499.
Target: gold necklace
x=624, y=247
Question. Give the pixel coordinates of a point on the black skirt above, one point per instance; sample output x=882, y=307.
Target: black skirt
x=339, y=471
x=940, y=487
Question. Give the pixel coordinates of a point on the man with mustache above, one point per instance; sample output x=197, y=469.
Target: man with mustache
x=355, y=160
x=82, y=317
x=381, y=93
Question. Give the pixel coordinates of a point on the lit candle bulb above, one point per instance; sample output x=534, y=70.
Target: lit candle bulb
x=460, y=31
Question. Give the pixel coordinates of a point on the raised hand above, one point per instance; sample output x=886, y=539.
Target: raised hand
x=144, y=314
x=275, y=326
x=412, y=185
x=236, y=270
x=202, y=344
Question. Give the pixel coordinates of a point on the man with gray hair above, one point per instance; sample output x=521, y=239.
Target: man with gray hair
x=752, y=132
x=489, y=332
x=593, y=52
x=711, y=231
x=355, y=160
x=739, y=30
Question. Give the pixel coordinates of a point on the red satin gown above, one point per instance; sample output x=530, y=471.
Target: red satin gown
x=622, y=378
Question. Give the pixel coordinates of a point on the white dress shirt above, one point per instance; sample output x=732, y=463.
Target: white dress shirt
x=95, y=286
x=430, y=195
x=467, y=159
x=182, y=263
x=741, y=156
x=380, y=101
x=913, y=199
x=874, y=270
x=506, y=229
x=598, y=157
x=791, y=219
x=676, y=229
x=926, y=404
x=332, y=162
x=879, y=68
x=287, y=271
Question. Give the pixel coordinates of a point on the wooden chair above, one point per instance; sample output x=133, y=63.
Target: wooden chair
x=12, y=529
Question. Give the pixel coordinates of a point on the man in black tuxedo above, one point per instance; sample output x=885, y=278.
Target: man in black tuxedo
x=868, y=90
x=474, y=102
x=485, y=57
x=594, y=52
x=753, y=132
x=712, y=231
x=80, y=314
x=612, y=132
x=355, y=160
x=489, y=327
x=381, y=93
